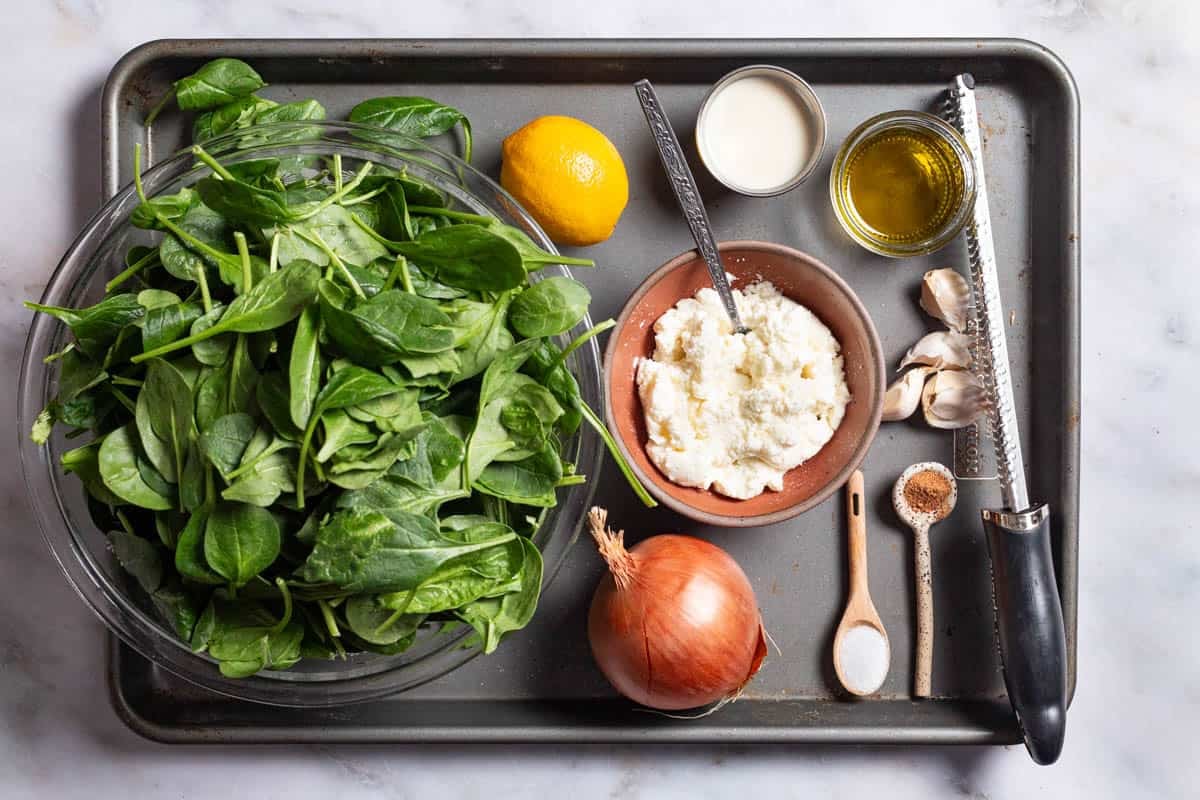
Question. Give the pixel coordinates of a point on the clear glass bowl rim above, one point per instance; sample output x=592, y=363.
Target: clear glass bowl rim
x=364, y=677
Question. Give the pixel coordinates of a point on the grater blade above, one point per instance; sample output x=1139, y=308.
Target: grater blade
x=991, y=364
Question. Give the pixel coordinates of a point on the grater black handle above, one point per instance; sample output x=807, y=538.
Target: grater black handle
x=1029, y=621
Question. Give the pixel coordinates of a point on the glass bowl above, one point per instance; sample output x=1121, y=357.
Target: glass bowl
x=59, y=500
x=899, y=122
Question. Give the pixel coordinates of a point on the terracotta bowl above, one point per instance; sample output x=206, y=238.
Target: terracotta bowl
x=803, y=279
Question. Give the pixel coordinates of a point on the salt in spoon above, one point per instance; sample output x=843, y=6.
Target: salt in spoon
x=860, y=611
x=688, y=194
x=920, y=522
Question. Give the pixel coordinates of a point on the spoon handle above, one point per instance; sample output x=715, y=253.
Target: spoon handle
x=857, y=536
x=688, y=195
x=923, y=671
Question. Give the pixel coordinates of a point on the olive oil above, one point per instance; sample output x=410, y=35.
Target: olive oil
x=903, y=183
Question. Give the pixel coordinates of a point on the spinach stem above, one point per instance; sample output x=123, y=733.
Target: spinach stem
x=254, y=462
x=390, y=621
x=130, y=271
x=578, y=342
x=399, y=270
x=179, y=344
x=571, y=480
x=216, y=166
x=330, y=621
x=123, y=400
x=273, y=264
x=244, y=254
x=316, y=239
x=50, y=359
x=281, y=584
x=615, y=452
x=202, y=280
x=337, y=173
x=362, y=198
x=121, y=380
x=461, y=216
x=338, y=194
x=159, y=106
x=374, y=234
x=124, y=520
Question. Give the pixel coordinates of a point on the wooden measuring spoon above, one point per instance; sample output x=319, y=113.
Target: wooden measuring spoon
x=921, y=522
x=860, y=611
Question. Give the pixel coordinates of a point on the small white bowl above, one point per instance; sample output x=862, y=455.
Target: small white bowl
x=808, y=98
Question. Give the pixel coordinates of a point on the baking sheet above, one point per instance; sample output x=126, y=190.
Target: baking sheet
x=542, y=684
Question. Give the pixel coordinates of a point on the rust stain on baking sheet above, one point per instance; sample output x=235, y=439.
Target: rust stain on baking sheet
x=1073, y=419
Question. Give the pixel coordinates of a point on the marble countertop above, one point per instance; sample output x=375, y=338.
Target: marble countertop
x=1139, y=678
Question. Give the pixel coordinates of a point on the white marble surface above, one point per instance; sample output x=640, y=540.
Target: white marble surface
x=1131, y=726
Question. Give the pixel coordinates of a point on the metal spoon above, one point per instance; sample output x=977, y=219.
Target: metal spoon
x=688, y=195
x=859, y=608
x=920, y=522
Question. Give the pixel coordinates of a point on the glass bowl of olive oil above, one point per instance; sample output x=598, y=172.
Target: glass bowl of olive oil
x=903, y=184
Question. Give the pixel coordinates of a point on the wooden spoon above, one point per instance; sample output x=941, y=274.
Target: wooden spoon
x=921, y=522
x=859, y=608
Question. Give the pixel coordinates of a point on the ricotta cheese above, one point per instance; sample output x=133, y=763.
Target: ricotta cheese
x=734, y=413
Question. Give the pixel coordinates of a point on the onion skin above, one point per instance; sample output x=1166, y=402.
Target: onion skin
x=674, y=624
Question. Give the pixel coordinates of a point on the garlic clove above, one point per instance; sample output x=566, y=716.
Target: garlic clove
x=902, y=397
x=940, y=350
x=952, y=399
x=946, y=296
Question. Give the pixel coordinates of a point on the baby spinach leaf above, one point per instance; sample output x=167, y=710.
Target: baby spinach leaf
x=239, y=113
x=164, y=417
x=529, y=482
x=218, y=82
x=165, y=324
x=225, y=441
x=464, y=579
x=466, y=257
x=139, y=558
x=480, y=333
x=493, y=618
x=304, y=366
x=205, y=226
x=272, y=475
x=273, y=396
x=378, y=625
x=549, y=307
x=240, y=541
x=84, y=463
x=177, y=608
x=340, y=430
x=418, y=117
x=97, y=327
x=386, y=327
x=189, y=551
x=245, y=651
x=367, y=551
x=211, y=352
x=172, y=206
x=118, y=463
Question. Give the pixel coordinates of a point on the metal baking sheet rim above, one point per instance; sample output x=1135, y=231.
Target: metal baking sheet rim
x=1035, y=53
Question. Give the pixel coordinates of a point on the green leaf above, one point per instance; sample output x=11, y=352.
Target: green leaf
x=378, y=625
x=304, y=367
x=367, y=551
x=240, y=541
x=171, y=206
x=465, y=579
x=118, y=463
x=176, y=607
x=225, y=441
x=139, y=558
x=529, y=482
x=211, y=352
x=164, y=418
x=467, y=257
x=493, y=618
x=418, y=117
x=341, y=431
x=218, y=82
x=549, y=307
x=386, y=327
x=96, y=328
x=165, y=324
x=84, y=463
x=189, y=550
x=236, y=114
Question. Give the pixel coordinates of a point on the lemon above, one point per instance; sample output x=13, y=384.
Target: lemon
x=569, y=176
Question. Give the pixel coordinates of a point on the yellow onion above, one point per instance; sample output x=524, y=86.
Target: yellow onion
x=674, y=624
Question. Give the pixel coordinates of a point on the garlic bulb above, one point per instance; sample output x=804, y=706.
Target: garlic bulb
x=946, y=296
x=940, y=350
x=952, y=399
x=903, y=396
